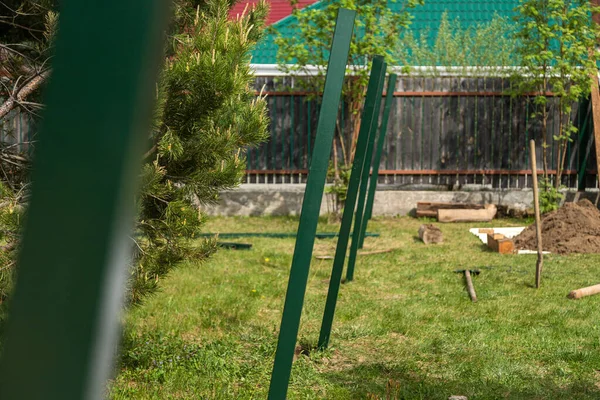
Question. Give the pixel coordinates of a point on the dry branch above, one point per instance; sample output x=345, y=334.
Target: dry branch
x=20, y=94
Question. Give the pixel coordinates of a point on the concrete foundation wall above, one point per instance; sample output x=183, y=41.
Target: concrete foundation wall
x=259, y=200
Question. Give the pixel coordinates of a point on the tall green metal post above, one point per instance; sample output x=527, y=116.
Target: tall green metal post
x=362, y=191
x=311, y=205
x=377, y=159
x=360, y=158
x=62, y=330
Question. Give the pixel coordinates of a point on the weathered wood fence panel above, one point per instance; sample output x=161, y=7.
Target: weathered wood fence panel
x=16, y=129
x=442, y=131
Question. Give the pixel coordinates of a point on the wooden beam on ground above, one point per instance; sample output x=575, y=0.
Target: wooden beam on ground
x=485, y=215
x=587, y=291
x=430, y=209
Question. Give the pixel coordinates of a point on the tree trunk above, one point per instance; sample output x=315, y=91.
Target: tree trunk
x=561, y=167
x=336, y=171
x=545, y=143
x=356, y=102
x=340, y=130
x=356, y=120
x=562, y=149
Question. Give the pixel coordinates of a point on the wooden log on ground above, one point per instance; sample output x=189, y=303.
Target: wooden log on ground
x=430, y=209
x=485, y=215
x=584, y=292
x=430, y=233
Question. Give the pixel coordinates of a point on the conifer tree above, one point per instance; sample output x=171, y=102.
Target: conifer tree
x=206, y=114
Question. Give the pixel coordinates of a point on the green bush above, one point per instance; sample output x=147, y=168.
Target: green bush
x=550, y=197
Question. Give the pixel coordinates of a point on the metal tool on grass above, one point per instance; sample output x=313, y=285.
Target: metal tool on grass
x=469, y=281
x=234, y=245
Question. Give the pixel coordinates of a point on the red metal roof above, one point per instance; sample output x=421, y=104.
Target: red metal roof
x=279, y=9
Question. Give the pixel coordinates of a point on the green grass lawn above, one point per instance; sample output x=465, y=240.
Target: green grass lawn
x=212, y=330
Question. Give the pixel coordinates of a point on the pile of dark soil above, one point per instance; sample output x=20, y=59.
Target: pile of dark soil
x=573, y=228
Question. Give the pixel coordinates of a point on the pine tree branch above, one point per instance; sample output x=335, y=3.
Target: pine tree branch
x=150, y=152
x=16, y=52
x=8, y=247
x=20, y=94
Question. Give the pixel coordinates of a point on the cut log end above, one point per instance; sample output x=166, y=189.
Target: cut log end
x=430, y=234
x=573, y=294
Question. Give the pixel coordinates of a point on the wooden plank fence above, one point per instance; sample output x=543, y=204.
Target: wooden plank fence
x=443, y=131
x=16, y=128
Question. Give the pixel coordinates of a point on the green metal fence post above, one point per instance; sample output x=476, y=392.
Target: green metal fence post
x=63, y=319
x=362, y=191
x=311, y=205
x=585, y=144
x=377, y=159
x=360, y=158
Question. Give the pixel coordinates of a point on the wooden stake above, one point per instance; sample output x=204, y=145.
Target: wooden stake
x=470, y=287
x=538, y=222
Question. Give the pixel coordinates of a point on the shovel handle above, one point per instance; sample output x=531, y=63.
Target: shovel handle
x=470, y=287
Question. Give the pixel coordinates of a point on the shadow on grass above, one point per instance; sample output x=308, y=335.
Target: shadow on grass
x=485, y=248
x=370, y=380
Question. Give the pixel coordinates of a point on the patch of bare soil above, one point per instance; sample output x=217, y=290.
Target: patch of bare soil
x=573, y=228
